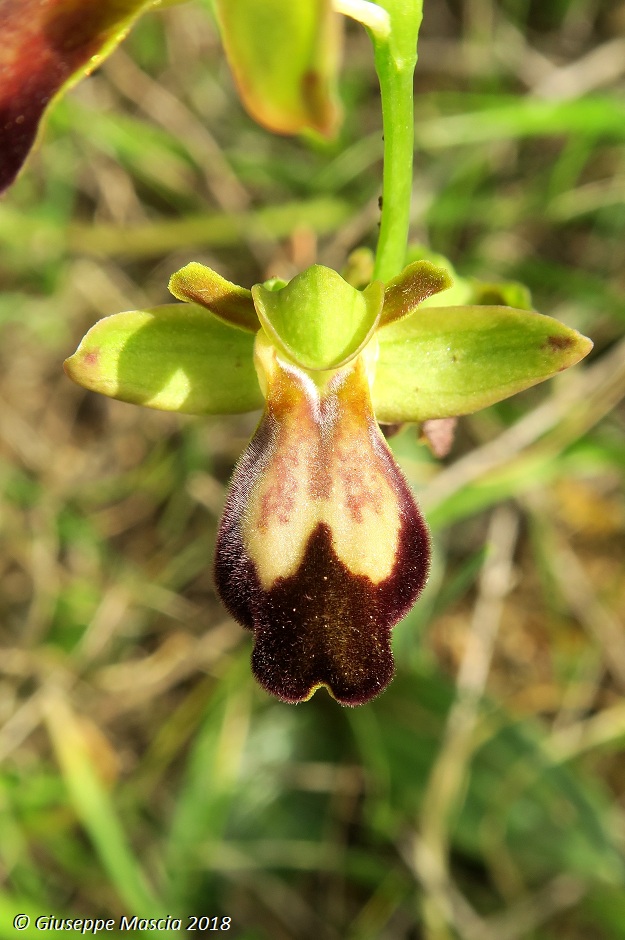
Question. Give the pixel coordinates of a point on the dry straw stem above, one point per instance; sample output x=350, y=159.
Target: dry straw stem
x=575, y=408
x=604, y=627
x=166, y=110
x=601, y=66
x=132, y=684
x=21, y=724
x=446, y=911
x=605, y=728
x=448, y=777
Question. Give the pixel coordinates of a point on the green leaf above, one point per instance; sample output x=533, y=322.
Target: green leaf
x=201, y=817
x=446, y=361
x=319, y=320
x=201, y=285
x=176, y=357
x=284, y=57
x=95, y=809
x=47, y=46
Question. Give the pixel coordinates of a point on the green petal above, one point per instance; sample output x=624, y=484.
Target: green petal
x=417, y=282
x=471, y=290
x=284, y=56
x=201, y=285
x=446, y=361
x=460, y=291
x=176, y=357
x=47, y=46
x=319, y=320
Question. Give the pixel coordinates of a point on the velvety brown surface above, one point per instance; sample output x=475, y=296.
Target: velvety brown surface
x=323, y=625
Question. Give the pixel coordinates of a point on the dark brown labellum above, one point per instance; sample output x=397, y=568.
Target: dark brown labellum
x=321, y=548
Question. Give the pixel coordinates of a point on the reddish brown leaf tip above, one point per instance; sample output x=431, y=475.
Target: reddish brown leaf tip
x=321, y=107
x=198, y=284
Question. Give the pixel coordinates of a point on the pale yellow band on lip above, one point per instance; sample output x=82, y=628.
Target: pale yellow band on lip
x=319, y=465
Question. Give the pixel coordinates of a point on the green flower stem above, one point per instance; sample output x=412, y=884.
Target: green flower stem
x=398, y=122
x=395, y=60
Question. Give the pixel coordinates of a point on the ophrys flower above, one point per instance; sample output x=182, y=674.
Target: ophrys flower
x=321, y=548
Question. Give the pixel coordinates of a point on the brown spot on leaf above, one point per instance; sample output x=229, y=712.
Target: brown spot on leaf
x=92, y=357
x=556, y=343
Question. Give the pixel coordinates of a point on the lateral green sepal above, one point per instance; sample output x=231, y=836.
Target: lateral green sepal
x=417, y=282
x=447, y=361
x=199, y=284
x=319, y=320
x=176, y=357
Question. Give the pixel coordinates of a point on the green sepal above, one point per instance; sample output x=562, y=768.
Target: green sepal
x=284, y=57
x=447, y=361
x=176, y=357
x=417, y=282
x=319, y=320
x=199, y=284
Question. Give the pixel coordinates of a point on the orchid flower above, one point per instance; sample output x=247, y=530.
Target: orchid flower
x=322, y=547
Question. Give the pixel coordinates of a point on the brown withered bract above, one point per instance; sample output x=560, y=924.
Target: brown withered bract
x=321, y=548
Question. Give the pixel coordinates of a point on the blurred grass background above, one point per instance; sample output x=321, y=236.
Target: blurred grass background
x=143, y=772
